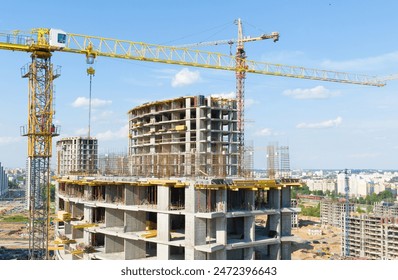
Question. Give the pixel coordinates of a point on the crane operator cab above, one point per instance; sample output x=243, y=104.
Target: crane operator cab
x=57, y=38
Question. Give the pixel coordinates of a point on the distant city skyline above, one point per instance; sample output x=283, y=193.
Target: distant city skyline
x=326, y=125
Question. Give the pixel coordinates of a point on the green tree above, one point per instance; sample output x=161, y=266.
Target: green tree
x=385, y=195
x=327, y=192
x=361, y=200
x=313, y=211
x=369, y=209
x=359, y=210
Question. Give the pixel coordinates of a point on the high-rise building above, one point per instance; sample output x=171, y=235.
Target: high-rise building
x=179, y=198
x=77, y=155
x=3, y=181
x=188, y=136
x=278, y=161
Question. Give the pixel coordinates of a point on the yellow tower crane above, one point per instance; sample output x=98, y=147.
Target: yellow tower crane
x=42, y=42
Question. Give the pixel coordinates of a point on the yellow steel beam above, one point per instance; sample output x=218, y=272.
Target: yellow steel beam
x=95, y=46
x=84, y=226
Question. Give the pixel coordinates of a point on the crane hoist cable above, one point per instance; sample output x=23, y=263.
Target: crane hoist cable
x=91, y=73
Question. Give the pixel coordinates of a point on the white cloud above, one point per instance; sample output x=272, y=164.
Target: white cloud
x=264, y=132
x=318, y=92
x=324, y=124
x=8, y=140
x=113, y=135
x=95, y=102
x=185, y=77
x=363, y=64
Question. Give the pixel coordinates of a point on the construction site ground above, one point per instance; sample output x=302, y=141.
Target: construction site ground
x=316, y=242
x=14, y=236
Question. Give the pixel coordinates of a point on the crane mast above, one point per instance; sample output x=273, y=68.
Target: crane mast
x=39, y=131
x=42, y=42
x=347, y=213
x=240, y=97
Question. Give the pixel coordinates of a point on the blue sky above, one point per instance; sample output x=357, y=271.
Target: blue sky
x=326, y=125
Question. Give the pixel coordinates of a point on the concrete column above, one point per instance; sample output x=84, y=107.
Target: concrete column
x=195, y=234
x=114, y=217
x=189, y=234
x=113, y=244
x=221, y=254
x=285, y=193
x=200, y=231
x=200, y=201
x=134, y=249
x=163, y=227
x=286, y=224
x=163, y=251
x=275, y=252
x=88, y=211
x=195, y=228
x=87, y=218
x=134, y=221
x=286, y=253
x=163, y=198
x=274, y=198
x=129, y=191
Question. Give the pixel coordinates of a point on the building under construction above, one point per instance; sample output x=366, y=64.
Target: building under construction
x=370, y=236
x=278, y=161
x=3, y=181
x=77, y=155
x=176, y=195
x=186, y=137
x=332, y=212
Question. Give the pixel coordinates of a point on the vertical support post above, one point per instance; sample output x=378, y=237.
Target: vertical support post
x=40, y=131
x=240, y=60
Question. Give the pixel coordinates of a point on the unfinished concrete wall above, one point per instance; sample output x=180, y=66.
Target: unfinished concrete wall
x=129, y=195
x=77, y=210
x=134, y=249
x=77, y=233
x=113, y=244
x=114, y=217
x=195, y=234
x=134, y=221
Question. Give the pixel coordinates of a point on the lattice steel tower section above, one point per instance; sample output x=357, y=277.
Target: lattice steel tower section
x=240, y=96
x=39, y=131
x=347, y=214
